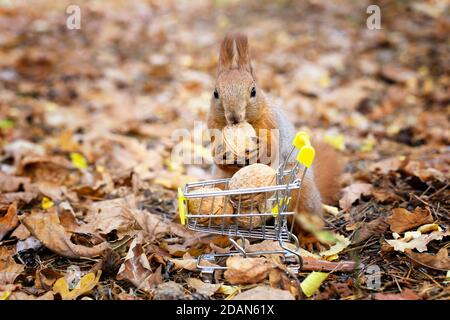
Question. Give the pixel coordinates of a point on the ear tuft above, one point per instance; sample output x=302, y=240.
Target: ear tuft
x=234, y=53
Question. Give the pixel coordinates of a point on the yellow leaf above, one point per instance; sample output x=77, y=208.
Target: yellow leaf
x=367, y=145
x=174, y=166
x=312, y=282
x=47, y=203
x=336, y=141
x=229, y=290
x=325, y=81
x=5, y=295
x=447, y=277
x=86, y=284
x=341, y=243
x=332, y=257
x=330, y=209
x=393, y=129
x=78, y=160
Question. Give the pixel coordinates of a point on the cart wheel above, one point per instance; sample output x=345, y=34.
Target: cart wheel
x=207, y=277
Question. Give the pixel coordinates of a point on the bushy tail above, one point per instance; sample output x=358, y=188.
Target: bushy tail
x=328, y=168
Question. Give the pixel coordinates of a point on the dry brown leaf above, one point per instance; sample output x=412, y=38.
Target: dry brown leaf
x=353, y=193
x=390, y=164
x=406, y=294
x=264, y=293
x=136, y=268
x=106, y=216
x=46, y=227
x=45, y=278
x=7, y=198
x=439, y=261
x=21, y=232
x=206, y=289
x=424, y=172
x=155, y=226
x=247, y=270
x=384, y=195
x=278, y=279
x=9, y=221
x=54, y=169
x=189, y=263
x=24, y=296
x=9, y=271
x=402, y=220
x=12, y=184
x=368, y=229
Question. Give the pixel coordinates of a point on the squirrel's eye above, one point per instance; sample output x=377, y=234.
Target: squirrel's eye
x=253, y=92
x=216, y=94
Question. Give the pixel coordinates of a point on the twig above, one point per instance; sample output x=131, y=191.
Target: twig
x=311, y=264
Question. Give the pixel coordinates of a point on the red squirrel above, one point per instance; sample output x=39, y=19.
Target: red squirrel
x=238, y=98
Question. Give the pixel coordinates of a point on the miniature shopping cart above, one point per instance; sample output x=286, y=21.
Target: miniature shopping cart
x=273, y=214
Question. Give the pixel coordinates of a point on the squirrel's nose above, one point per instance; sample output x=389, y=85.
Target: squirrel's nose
x=234, y=119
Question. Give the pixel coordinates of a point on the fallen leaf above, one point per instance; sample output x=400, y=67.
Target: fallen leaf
x=264, y=293
x=390, y=164
x=278, y=279
x=136, y=268
x=353, y=193
x=247, y=270
x=54, y=169
x=9, y=221
x=21, y=232
x=9, y=271
x=424, y=172
x=4, y=295
x=45, y=278
x=23, y=296
x=106, y=216
x=415, y=240
x=189, y=263
x=312, y=282
x=384, y=195
x=340, y=244
x=375, y=227
x=46, y=227
x=46, y=203
x=86, y=284
x=6, y=199
x=439, y=261
x=12, y=184
x=78, y=160
x=406, y=294
x=336, y=141
x=402, y=220
x=206, y=289
x=27, y=244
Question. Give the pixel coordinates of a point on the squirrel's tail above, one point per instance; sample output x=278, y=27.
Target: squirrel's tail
x=328, y=167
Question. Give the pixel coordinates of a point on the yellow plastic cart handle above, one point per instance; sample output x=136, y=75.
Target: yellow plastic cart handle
x=181, y=208
x=306, y=152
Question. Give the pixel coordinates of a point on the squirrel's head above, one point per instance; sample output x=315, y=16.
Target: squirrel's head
x=235, y=94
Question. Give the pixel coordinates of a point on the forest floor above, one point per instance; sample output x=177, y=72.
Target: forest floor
x=88, y=120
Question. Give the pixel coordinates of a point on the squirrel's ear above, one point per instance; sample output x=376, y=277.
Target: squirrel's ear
x=234, y=53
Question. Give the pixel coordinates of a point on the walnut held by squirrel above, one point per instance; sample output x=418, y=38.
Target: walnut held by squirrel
x=237, y=98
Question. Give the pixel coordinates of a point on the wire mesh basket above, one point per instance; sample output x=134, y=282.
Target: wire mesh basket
x=258, y=213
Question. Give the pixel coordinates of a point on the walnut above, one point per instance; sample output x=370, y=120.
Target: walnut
x=252, y=176
x=238, y=144
x=210, y=205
